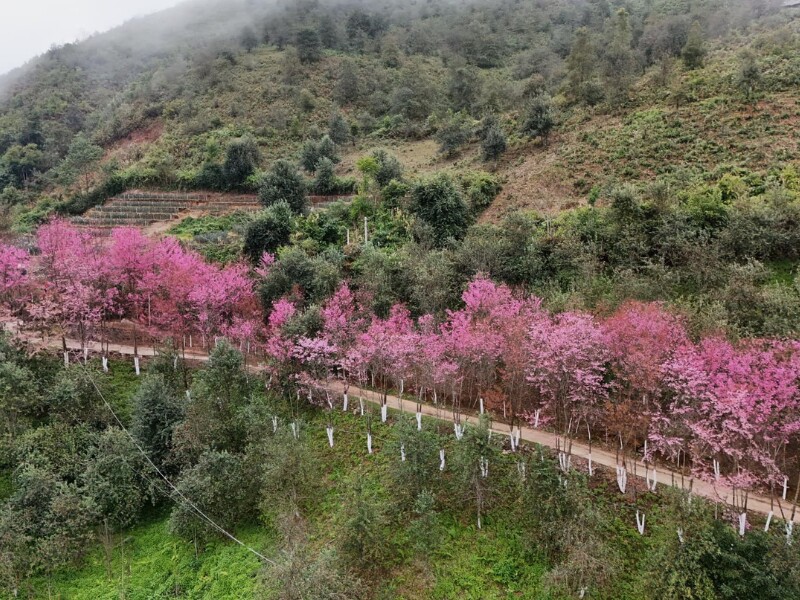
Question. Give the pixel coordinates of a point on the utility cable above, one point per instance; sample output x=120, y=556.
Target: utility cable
x=177, y=492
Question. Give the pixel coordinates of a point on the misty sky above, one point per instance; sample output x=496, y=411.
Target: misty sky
x=30, y=27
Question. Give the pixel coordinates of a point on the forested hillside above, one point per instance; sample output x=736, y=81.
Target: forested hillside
x=574, y=97
x=576, y=218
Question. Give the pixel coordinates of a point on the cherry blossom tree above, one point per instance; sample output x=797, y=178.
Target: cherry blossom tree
x=14, y=275
x=733, y=410
x=72, y=282
x=640, y=338
x=131, y=259
x=566, y=367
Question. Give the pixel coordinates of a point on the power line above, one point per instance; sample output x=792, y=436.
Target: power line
x=180, y=494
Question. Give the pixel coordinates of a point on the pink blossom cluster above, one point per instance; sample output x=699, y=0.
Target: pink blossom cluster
x=729, y=411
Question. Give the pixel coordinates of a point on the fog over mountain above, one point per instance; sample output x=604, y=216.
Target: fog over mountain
x=28, y=29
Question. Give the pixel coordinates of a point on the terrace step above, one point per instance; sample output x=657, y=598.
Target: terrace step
x=138, y=208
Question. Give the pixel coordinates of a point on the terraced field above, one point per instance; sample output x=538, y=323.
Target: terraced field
x=140, y=209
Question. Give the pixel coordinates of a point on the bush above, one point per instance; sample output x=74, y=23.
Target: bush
x=539, y=119
x=268, y=231
x=454, y=134
x=439, y=204
x=221, y=486
x=480, y=190
x=241, y=160
x=284, y=183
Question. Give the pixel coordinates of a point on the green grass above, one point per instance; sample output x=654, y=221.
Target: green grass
x=782, y=271
x=148, y=563
x=190, y=227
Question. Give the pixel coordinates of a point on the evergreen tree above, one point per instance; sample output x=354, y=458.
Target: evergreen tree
x=312, y=151
x=454, y=134
x=325, y=181
x=581, y=69
x=268, y=231
x=493, y=143
x=249, y=39
x=241, y=160
x=694, y=51
x=388, y=168
x=328, y=33
x=309, y=48
x=80, y=161
x=539, y=118
x=347, y=87
x=338, y=129
x=439, y=204
x=283, y=182
x=156, y=411
x=748, y=76
x=464, y=90
x=619, y=61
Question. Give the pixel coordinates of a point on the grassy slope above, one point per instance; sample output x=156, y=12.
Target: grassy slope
x=501, y=561
x=649, y=139
x=469, y=563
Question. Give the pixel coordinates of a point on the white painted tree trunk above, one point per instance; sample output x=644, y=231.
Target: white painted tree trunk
x=369, y=443
x=295, y=430
x=522, y=470
x=716, y=470
x=85, y=354
x=481, y=402
x=274, y=424
x=742, y=523
x=136, y=365
x=441, y=460
x=188, y=395
x=519, y=435
x=175, y=363
x=640, y=522
x=513, y=442
x=66, y=358
x=564, y=461
x=384, y=413
x=419, y=421
x=789, y=528
x=346, y=401
x=622, y=478
x=651, y=482
x=361, y=405
x=329, y=431
x=769, y=520
x=402, y=452
x=484, y=465
x=591, y=467
x=459, y=430
x=785, y=486
x=536, y=420
x=680, y=535
x=104, y=360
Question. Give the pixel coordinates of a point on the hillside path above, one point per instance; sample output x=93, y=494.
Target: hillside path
x=756, y=503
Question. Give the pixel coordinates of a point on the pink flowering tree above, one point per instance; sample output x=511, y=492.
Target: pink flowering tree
x=566, y=368
x=384, y=351
x=73, y=289
x=640, y=338
x=14, y=275
x=734, y=411
x=132, y=261
x=343, y=320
